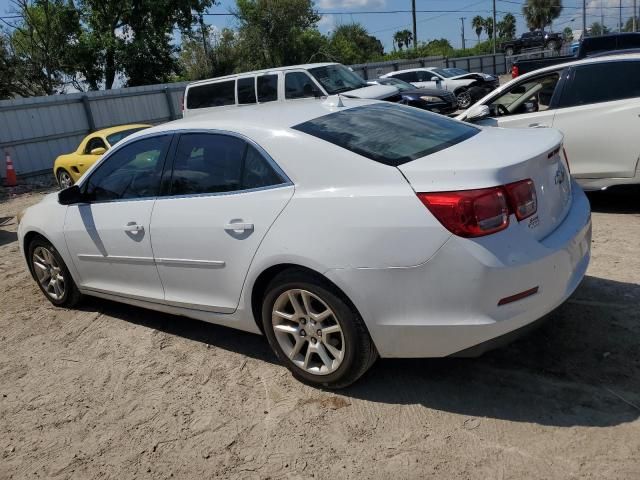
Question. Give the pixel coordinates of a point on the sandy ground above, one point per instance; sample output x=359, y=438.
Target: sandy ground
x=111, y=391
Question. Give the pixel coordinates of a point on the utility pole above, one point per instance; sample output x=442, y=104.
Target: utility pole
x=635, y=11
x=584, y=18
x=494, y=27
x=462, y=19
x=620, y=24
x=415, y=33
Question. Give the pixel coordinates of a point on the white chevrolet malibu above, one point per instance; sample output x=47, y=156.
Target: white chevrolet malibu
x=341, y=229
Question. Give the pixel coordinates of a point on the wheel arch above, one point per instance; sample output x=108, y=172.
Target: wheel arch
x=29, y=237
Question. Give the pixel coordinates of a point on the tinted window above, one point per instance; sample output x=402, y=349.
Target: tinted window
x=116, y=137
x=212, y=95
x=267, y=88
x=337, y=78
x=132, y=171
x=387, y=133
x=407, y=76
x=95, y=142
x=423, y=76
x=246, y=90
x=602, y=82
x=212, y=163
x=300, y=85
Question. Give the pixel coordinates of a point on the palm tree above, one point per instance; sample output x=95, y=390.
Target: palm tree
x=507, y=27
x=488, y=27
x=403, y=38
x=540, y=13
x=478, y=24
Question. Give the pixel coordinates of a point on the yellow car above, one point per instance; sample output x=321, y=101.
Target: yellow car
x=69, y=168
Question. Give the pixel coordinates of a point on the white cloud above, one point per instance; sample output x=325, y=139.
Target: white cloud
x=356, y=4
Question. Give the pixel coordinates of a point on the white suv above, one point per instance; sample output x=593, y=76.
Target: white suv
x=281, y=84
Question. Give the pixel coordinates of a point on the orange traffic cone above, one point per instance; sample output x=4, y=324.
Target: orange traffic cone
x=10, y=179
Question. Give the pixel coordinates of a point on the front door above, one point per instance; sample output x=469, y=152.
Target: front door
x=225, y=194
x=108, y=236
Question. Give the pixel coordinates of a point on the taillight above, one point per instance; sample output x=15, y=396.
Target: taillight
x=475, y=213
x=515, y=71
x=469, y=213
x=182, y=103
x=523, y=199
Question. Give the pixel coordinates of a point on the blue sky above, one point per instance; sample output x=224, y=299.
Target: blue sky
x=431, y=24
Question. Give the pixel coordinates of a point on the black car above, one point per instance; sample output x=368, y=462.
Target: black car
x=535, y=39
x=435, y=100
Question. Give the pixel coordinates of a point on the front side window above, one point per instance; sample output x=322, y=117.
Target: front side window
x=214, y=163
x=337, y=79
x=300, y=85
x=602, y=82
x=425, y=76
x=388, y=133
x=93, y=143
x=246, y=90
x=533, y=95
x=133, y=171
x=212, y=95
x=267, y=88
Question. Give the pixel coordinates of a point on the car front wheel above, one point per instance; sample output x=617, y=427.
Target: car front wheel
x=314, y=331
x=52, y=275
x=64, y=179
x=464, y=98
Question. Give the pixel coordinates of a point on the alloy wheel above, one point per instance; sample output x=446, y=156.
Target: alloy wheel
x=49, y=273
x=64, y=179
x=308, y=331
x=464, y=100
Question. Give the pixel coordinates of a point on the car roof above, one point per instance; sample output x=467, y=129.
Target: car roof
x=584, y=61
x=419, y=69
x=304, y=66
x=119, y=128
x=260, y=121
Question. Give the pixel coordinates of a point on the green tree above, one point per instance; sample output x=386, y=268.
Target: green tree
x=488, y=26
x=478, y=25
x=541, y=13
x=44, y=44
x=403, y=38
x=597, y=29
x=351, y=43
x=507, y=27
x=270, y=30
x=567, y=34
x=628, y=26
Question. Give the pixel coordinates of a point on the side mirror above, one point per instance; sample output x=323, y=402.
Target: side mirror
x=98, y=151
x=438, y=81
x=70, y=196
x=478, y=112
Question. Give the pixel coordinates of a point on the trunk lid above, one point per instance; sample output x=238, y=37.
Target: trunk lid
x=497, y=157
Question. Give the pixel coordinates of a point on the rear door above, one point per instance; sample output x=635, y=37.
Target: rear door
x=599, y=114
x=224, y=195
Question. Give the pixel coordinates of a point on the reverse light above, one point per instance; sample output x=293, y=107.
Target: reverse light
x=475, y=213
x=523, y=199
x=469, y=213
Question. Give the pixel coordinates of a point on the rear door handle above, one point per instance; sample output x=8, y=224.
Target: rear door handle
x=239, y=227
x=133, y=228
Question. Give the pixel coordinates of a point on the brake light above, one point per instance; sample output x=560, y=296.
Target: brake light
x=515, y=71
x=182, y=103
x=523, y=199
x=469, y=213
x=475, y=213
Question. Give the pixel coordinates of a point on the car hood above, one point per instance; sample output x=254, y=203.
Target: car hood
x=374, y=92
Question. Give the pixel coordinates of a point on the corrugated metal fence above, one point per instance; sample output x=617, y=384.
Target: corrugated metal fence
x=36, y=130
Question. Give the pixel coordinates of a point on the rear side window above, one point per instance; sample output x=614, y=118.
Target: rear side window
x=267, y=88
x=388, y=133
x=246, y=90
x=212, y=95
x=601, y=82
x=213, y=163
x=300, y=85
x=407, y=76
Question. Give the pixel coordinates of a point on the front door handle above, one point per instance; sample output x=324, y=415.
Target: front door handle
x=239, y=227
x=133, y=228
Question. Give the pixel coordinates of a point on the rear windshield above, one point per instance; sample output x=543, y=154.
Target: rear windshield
x=388, y=133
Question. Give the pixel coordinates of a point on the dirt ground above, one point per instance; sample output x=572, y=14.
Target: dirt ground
x=112, y=391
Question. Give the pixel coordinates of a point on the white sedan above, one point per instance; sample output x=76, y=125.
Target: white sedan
x=341, y=229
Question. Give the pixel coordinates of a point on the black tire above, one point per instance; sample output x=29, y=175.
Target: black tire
x=359, y=350
x=71, y=296
x=61, y=176
x=463, y=96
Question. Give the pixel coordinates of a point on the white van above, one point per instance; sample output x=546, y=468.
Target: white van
x=282, y=84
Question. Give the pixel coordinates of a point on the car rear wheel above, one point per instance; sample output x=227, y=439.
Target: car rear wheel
x=64, y=179
x=464, y=98
x=314, y=331
x=52, y=275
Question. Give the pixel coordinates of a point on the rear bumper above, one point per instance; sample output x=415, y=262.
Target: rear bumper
x=450, y=303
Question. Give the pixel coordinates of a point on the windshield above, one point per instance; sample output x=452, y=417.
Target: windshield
x=396, y=82
x=450, y=72
x=116, y=137
x=388, y=133
x=337, y=78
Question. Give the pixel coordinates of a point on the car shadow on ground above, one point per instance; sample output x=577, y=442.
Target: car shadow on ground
x=623, y=199
x=7, y=237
